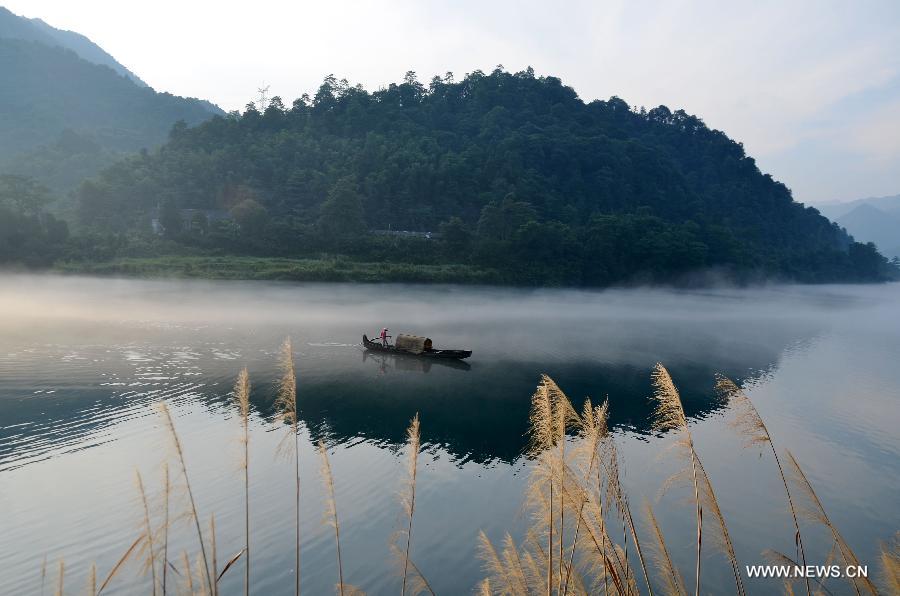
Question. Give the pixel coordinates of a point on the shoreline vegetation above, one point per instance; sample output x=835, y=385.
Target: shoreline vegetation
x=280, y=268
x=583, y=538
x=344, y=269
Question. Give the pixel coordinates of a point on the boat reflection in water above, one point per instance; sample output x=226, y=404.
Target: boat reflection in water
x=402, y=362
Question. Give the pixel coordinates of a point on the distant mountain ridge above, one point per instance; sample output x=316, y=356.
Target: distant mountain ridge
x=874, y=219
x=15, y=27
x=68, y=108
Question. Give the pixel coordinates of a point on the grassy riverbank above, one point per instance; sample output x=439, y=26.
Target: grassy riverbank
x=271, y=268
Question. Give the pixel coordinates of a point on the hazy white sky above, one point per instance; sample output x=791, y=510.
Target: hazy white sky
x=812, y=88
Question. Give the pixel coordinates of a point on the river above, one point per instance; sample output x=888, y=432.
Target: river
x=84, y=362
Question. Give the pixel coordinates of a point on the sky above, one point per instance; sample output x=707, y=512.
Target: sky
x=811, y=88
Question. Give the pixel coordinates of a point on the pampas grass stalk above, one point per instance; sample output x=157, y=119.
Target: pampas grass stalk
x=593, y=431
x=242, y=396
x=816, y=512
x=755, y=431
x=493, y=564
x=43, y=574
x=331, y=515
x=674, y=584
x=170, y=424
x=542, y=437
x=166, y=489
x=621, y=500
x=712, y=504
x=215, y=562
x=551, y=414
x=890, y=565
x=120, y=563
x=408, y=498
x=200, y=566
x=286, y=404
x=148, y=529
x=92, y=580
x=669, y=415
x=62, y=575
x=188, y=572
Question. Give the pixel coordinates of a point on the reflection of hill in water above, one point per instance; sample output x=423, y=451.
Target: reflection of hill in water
x=482, y=413
x=592, y=345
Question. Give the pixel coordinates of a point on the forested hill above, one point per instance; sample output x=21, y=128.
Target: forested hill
x=513, y=172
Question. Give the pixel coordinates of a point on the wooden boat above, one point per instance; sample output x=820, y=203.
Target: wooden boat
x=414, y=345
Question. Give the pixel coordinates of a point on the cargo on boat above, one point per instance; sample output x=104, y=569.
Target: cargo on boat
x=414, y=345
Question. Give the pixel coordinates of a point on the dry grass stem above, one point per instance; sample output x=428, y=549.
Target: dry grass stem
x=331, y=514
x=242, y=397
x=215, y=561
x=43, y=574
x=92, y=580
x=188, y=572
x=669, y=415
x=176, y=442
x=121, y=562
x=890, y=564
x=815, y=511
x=230, y=563
x=148, y=530
x=752, y=427
x=167, y=487
x=408, y=496
x=286, y=406
x=672, y=580
x=60, y=586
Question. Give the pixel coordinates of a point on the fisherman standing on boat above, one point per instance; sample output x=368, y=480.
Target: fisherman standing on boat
x=384, y=337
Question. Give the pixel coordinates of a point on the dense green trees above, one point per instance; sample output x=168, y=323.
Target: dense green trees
x=513, y=172
x=28, y=234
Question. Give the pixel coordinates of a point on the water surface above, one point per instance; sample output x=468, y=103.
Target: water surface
x=84, y=361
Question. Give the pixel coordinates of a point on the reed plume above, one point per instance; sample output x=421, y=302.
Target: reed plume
x=484, y=588
x=751, y=425
x=176, y=442
x=408, y=496
x=551, y=415
x=669, y=415
x=331, y=515
x=497, y=569
x=148, y=529
x=513, y=562
x=242, y=397
x=593, y=432
x=672, y=580
x=43, y=574
x=815, y=511
x=286, y=405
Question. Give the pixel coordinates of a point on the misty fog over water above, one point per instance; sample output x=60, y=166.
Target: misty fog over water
x=83, y=361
